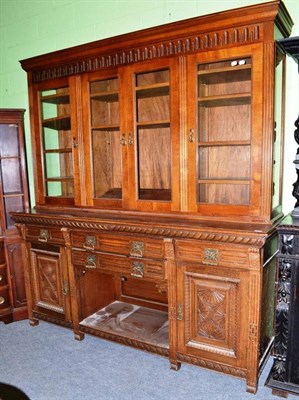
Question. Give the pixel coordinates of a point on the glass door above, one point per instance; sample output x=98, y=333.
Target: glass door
x=153, y=140
x=104, y=137
x=58, y=142
x=12, y=179
x=221, y=136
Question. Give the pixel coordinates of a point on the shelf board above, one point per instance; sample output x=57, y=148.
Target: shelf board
x=131, y=321
x=225, y=143
x=109, y=96
x=56, y=99
x=10, y=158
x=225, y=100
x=153, y=124
x=225, y=75
x=62, y=123
x=157, y=89
x=155, y=194
x=105, y=127
x=13, y=194
x=220, y=181
x=66, y=150
x=114, y=193
x=60, y=179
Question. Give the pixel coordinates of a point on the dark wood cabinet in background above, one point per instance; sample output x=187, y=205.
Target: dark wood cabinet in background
x=13, y=197
x=158, y=188
x=284, y=375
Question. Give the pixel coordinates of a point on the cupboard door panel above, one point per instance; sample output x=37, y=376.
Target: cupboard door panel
x=210, y=324
x=50, y=284
x=224, y=166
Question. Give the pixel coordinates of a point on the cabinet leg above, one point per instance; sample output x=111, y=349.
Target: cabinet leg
x=79, y=335
x=280, y=393
x=251, y=389
x=175, y=365
x=33, y=321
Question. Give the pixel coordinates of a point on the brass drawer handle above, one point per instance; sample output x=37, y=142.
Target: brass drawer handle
x=1, y=277
x=210, y=256
x=90, y=242
x=137, y=249
x=91, y=261
x=137, y=269
x=43, y=235
x=2, y=300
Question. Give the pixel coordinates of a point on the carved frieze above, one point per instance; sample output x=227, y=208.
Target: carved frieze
x=166, y=48
x=171, y=232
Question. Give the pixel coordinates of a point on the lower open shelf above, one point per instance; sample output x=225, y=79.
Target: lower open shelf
x=132, y=322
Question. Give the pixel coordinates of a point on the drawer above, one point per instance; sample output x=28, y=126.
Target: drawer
x=44, y=234
x=147, y=269
x=210, y=253
x=3, y=275
x=125, y=245
x=4, y=299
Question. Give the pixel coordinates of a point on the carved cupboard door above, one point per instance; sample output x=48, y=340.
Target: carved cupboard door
x=212, y=316
x=50, y=284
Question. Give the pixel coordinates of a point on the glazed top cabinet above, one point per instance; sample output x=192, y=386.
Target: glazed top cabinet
x=174, y=119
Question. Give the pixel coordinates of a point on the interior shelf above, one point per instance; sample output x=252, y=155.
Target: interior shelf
x=225, y=100
x=225, y=74
x=155, y=194
x=109, y=127
x=225, y=143
x=62, y=123
x=109, y=96
x=60, y=179
x=56, y=99
x=157, y=89
x=225, y=181
x=153, y=124
x=13, y=194
x=131, y=321
x=66, y=150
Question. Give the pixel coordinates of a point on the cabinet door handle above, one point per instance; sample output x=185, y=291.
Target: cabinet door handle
x=74, y=143
x=191, y=135
x=65, y=289
x=2, y=300
x=130, y=141
x=123, y=140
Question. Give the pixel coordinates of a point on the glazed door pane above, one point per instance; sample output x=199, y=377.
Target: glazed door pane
x=224, y=130
x=58, y=142
x=152, y=94
x=105, y=139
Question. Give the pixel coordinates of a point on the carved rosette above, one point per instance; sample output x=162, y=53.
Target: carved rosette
x=282, y=319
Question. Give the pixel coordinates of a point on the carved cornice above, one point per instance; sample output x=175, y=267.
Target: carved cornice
x=130, y=228
x=212, y=365
x=159, y=49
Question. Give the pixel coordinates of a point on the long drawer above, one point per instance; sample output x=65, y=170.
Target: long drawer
x=124, y=245
x=44, y=234
x=210, y=253
x=146, y=269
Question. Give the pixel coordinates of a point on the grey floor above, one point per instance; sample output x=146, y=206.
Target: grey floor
x=48, y=364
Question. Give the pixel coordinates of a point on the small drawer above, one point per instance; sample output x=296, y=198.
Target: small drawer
x=124, y=245
x=4, y=299
x=147, y=269
x=44, y=234
x=210, y=253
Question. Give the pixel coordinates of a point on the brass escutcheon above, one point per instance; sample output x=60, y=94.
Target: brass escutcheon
x=137, y=269
x=210, y=256
x=137, y=249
